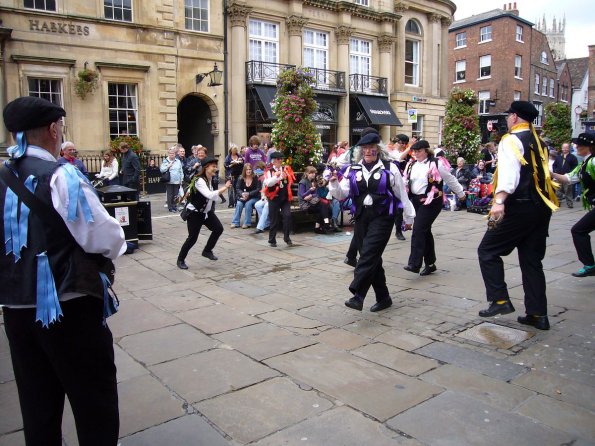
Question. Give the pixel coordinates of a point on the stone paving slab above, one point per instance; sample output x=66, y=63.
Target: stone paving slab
x=190, y=430
x=180, y=301
x=262, y=341
x=483, y=388
x=456, y=419
x=138, y=316
x=285, y=318
x=393, y=358
x=255, y=412
x=329, y=317
x=217, y=319
x=127, y=367
x=14, y=439
x=403, y=340
x=341, y=339
x=473, y=360
x=372, y=389
x=165, y=344
x=11, y=419
x=243, y=304
x=561, y=416
x=341, y=426
x=205, y=375
x=145, y=402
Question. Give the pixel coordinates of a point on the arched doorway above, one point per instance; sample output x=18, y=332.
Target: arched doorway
x=194, y=124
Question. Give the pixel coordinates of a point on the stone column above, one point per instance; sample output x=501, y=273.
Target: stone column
x=399, y=53
x=343, y=34
x=433, y=71
x=295, y=27
x=385, y=46
x=444, y=57
x=237, y=12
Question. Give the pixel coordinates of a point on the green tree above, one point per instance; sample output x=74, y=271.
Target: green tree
x=461, y=135
x=294, y=134
x=556, y=123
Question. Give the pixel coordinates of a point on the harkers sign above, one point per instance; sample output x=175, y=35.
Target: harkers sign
x=58, y=28
x=379, y=112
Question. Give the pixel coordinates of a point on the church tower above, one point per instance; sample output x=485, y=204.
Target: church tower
x=556, y=36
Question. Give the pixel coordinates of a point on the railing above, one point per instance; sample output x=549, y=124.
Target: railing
x=328, y=80
x=93, y=162
x=362, y=83
x=259, y=72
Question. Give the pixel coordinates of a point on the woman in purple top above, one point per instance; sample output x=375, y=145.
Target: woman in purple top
x=253, y=152
x=311, y=202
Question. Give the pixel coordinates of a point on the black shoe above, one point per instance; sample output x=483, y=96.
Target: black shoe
x=539, y=322
x=230, y=205
x=337, y=229
x=209, y=255
x=258, y=231
x=319, y=230
x=223, y=200
x=494, y=309
x=411, y=268
x=273, y=244
x=382, y=305
x=289, y=242
x=428, y=270
x=350, y=262
x=400, y=236
x=181, y=264
x=355, y=303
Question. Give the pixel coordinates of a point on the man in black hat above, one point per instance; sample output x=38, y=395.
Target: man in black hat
x=54, y=296
x=376, y=187
x=585, y=174
x=277, y=185
x=519, y=218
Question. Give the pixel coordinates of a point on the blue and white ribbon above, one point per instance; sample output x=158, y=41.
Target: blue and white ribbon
x=48, y=305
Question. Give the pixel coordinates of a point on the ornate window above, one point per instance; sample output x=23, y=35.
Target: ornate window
x=264, y=41
x=412, y=53
x=122, y=109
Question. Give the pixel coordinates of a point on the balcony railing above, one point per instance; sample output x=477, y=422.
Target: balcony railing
x=328, y=80
x=362, y=83
x=259, y=72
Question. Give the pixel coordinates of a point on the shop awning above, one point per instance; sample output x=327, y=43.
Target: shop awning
x=266, y=95
x=377, y=110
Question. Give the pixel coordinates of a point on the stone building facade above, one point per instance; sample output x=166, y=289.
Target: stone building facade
x=374, y=60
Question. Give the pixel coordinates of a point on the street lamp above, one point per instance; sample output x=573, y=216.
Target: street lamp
x=214, y=77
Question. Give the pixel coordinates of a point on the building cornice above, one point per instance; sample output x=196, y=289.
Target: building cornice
x=385, y=43
x=343, y=34
x=238, y=12
x=295, y=25
x=42, y=59
x=121, y=66
x=354, y=10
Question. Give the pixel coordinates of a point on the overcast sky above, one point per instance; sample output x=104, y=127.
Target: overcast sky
x=580, y=18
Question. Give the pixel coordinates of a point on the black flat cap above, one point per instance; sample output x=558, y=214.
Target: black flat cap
x=401, y=138
x=209, y=160
x=421, y=144
x=585, y=139
x=369, y=138
x=28, y=112
x=276, y=156
x=524, y=110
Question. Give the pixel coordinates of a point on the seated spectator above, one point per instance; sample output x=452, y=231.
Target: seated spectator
x=109, y=169
x=480, y=172
x=462, y=173
x=262, y=205
x=247, y=192
x=310, y=201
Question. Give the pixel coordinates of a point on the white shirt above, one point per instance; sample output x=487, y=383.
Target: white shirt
x=418, y=178
x=340, y=190
x=110, y=172
x=509, y=166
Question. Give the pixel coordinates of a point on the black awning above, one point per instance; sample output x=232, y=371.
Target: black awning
x=377, y=110
x=266, y=95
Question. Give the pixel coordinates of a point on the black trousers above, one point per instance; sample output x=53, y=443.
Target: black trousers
x=171, y=192
x=279, y=209
x=323, y=210
x=195, y=222
x=372, y=233
x=524, y=227
x=581, y=238
x=73, y=357
x=422, y=240
x=398, y=220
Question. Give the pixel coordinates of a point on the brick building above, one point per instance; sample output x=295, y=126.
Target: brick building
x=503, y=58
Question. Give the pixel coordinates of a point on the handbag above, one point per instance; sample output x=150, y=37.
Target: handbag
x=185, y=213
x=165, y=177
x=304, y=205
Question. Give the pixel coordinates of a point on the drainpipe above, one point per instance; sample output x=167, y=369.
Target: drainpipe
x=225, y=82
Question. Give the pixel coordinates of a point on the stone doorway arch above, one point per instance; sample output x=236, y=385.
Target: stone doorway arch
x=196, y=121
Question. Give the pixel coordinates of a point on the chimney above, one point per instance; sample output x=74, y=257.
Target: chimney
x=515, y=11
x=504, y=7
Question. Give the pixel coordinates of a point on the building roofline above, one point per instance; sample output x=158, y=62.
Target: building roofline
x=484, y=17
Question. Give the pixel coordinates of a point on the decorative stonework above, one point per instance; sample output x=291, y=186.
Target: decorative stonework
x=295, y=25
x=400, y=7
x=434, y=18
x=446, y=21
x=237, y=13
x=343, y=34
x=385, y=43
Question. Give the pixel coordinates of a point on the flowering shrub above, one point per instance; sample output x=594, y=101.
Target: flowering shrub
x=461, y=135
x=133, y=142
x=294, y=133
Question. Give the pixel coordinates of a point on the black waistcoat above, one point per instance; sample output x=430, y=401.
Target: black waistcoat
x=526, y=188
x=381, y=199
x=72, y=268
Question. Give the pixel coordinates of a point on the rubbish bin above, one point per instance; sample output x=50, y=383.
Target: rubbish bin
x=120, y=203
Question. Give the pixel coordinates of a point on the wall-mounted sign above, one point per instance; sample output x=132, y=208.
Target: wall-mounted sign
x=418, y=99
x=58, y=27
x=412, y=116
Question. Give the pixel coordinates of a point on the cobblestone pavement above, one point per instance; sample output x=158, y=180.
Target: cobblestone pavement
x=258, y=348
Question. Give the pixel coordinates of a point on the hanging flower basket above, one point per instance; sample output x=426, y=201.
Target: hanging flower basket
x=85, y=83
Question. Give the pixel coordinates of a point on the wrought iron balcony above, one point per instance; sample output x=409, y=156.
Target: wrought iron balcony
x=328, y=80
x=362, y=83
x=260, y=72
